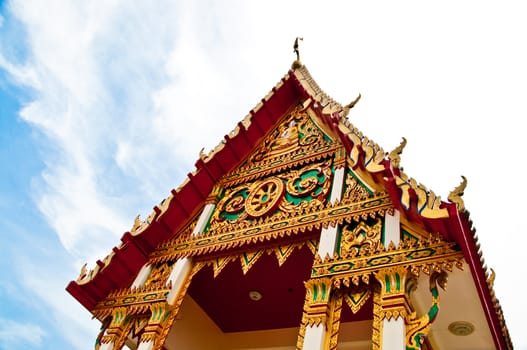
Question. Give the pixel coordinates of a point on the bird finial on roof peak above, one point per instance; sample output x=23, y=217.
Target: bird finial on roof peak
x=296, y=63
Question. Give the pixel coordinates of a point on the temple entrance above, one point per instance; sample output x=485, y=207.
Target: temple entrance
x=259, y=309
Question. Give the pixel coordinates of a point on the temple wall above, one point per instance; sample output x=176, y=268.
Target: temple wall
x=195, y=330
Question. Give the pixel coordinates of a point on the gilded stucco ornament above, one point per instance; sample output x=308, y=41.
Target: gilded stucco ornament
x=395, y=155
x=361, y=236
x=264, y=197
x=418, y=328
x=296, y=49
x=455, y=195
x=428, y=204
x=346, y=109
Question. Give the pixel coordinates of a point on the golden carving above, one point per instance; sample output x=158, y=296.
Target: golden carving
x=296, y=50
x=304, y=188
x=248, y=259
x=428, y=204
x=417, y=328
x=318, y=293
x=433, y=254
x=377, y=331
x=158, y=275
x=395, y=155
x=335, y=309
x=356, y=299
x=264, y=197
x=455, y=195
x=394, y=295
x=360, y=236
x=296, y=133
x=135, y=301
x=354, y=190
x=280, y=226
x=117, y=325
x=349, y=106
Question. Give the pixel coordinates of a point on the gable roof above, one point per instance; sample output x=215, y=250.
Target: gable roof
x=415, y=202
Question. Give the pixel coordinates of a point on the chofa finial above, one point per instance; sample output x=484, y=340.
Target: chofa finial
x=455, y=195
x=350, y=105
x=395, y=155
x=296, y=50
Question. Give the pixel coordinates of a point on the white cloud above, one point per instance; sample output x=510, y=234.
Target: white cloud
x=59, y=310
x=14, y=335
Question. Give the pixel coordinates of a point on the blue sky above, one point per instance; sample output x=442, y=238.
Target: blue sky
x=105, y=107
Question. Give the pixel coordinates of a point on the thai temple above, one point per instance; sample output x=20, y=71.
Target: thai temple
x=297, y=232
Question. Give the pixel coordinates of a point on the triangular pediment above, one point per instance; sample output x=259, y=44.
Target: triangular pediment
x=299, y=137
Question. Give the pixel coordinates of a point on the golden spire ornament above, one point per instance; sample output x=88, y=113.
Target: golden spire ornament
x=296, y=50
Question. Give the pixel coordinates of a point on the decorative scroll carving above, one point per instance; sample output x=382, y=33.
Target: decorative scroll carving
x=159, y=275
x=428, y=204
x=433, y=254
x=457, y=193
x=355, y=237
x=280, y=226
x=395, y=155
x=354, y=190
x=295, y=141
x=306, y=188
x=417, y=328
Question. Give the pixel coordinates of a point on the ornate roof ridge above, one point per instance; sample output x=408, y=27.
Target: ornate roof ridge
x=328, y=104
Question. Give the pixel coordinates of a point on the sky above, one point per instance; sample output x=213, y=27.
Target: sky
x=105, y=106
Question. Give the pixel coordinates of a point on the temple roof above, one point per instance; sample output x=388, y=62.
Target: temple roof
x=415, y=202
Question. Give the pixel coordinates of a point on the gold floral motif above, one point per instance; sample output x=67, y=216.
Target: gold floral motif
x=279, y=226
x=354, y=190
x=360, y=236
x=296, y=130
x=304, y=188
x=264, y=197
x=159, y=275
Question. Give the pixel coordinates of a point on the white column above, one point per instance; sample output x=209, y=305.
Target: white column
x=204, y=219
x=393, y=334
x=142, y=276
x=328, y=241
x=106, y=346
x=314, y=337
x=392, y=228
x=149, y=345
x=177, y=277
x=328, y=236
x=338, y=185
